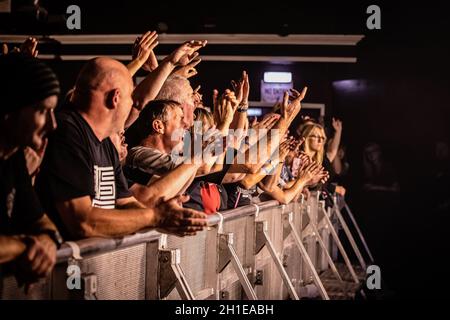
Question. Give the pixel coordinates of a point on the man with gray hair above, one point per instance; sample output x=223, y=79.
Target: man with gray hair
x=178, y=88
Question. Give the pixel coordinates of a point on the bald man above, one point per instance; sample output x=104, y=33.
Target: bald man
x=81, y=182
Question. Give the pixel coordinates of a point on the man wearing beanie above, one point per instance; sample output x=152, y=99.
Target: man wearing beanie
x=28, y=239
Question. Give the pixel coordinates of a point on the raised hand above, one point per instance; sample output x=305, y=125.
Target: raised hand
x=151, y=63
x=188, y=70
x=258, y=128
x=172, y=218
x=29, y=47
x=267, y=122
x=186, y=53
x=245, y=88
x=225, y=107
x=291, y=105
x=198, y=97
x=298, y=145
x=242, y=89
x=285, y=147
x=4, y=49
x=337, y=124
x=213, y=145
x=143, y=50
x=215, y=101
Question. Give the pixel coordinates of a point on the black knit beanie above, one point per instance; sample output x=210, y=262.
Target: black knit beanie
x=23, y=81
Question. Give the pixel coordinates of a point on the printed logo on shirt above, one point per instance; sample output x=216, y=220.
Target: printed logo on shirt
x=105, y=188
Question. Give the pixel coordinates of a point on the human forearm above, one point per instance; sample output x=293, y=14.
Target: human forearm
x=233, y=177
x=134, y=66
x=149, y=88
x=293, y=191
x=106, y=223
x=270, y=181
x=287, y=195
x=166, y=187
x=268, y=175
x=252, y=160
x=83, y=220
x=171, y=184
x=252, y=179
x=44, y=223
x=11, y=247
x=333, y=146
x=337, y=165
x=224, y=127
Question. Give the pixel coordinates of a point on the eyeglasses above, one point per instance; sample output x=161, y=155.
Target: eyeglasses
x=316, y=137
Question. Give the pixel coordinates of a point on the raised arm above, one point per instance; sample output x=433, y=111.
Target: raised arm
x=149, y=88
x=333, y=146
x=143, y=51
x=242, y=92
x=289, y=109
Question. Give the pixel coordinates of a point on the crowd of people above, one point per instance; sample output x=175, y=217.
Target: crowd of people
x=110, y=157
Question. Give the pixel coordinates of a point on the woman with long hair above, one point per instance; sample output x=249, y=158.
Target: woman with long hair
x=315, y=148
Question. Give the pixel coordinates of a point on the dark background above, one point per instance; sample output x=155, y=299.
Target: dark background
x=397, y=95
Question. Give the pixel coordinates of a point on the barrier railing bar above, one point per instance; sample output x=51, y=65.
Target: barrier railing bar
x=338, y=242
x=349, y=234
x=324, y=249
x=171, y=275
x=288, y=219
x=361, y=236
x=263, y=237
x=226, y=243
x=93, y=246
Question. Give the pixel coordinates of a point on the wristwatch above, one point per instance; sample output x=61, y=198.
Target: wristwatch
x=54, y=235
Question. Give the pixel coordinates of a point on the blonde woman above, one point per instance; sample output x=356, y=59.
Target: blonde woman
x=315, y=147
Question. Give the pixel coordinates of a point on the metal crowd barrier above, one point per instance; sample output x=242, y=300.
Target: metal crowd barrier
x=260, y=251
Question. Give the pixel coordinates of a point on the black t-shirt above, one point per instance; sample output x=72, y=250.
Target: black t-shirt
x=77, y=164
x=19, y=206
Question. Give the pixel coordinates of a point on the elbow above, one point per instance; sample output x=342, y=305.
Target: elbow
x=331, y=155
x=269, y=188
x=251, y=169
x=278, y=196
x=83, y=227
x=246, y=184
x=82, y=230
x=202, y=172
x=148, y=195
x=280, y=199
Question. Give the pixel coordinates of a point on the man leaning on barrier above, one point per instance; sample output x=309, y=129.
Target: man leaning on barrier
x=81, y=181
x=28, y=239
